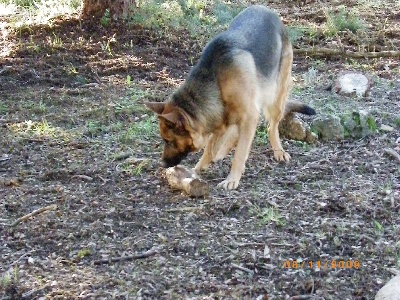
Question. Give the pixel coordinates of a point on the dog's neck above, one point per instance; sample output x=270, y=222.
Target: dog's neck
x=202, y=104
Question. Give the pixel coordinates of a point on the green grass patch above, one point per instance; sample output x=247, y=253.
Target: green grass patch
x=195, y=15
x=84, y=253
x=143, y=129
x=40, y=130
x=134, y=166
x=261, y=137
x=397, y=121
x=96, y=128
x=379, y=229
x=3, y=109
x=267, y=215
x=343, y=20
x=9, y=279
x=131, y=104
x=38, y=11
x=36, y=107
x=105, y=19
x=358, y=125
x=296, y=32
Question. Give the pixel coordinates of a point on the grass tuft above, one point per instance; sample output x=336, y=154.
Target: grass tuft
x=41, y=130
x=195, y=15
x=268, y=215
x=142, y=129
x=343, y=20
x=39, y=11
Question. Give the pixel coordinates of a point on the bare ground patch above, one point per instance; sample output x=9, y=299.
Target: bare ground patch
x=73, y=132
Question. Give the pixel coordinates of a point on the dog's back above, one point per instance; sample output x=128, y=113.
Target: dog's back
x=257, y=30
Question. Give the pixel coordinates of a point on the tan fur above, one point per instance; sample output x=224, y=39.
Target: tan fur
x=244, y=95
x=277, y=110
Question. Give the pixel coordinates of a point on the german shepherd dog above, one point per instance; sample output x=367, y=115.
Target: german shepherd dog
x=242, y=71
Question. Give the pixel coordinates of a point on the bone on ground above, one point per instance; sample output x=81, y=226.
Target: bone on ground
x=186, y=179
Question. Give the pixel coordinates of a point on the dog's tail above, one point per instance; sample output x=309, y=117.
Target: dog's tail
x=296, y=106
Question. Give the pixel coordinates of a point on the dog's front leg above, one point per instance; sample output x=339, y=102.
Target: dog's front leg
x=206, y=158
x=219, y=146
x=246, y=135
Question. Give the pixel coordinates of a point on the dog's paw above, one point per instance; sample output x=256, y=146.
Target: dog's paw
x=281, y=155
x=199, y=167
x=230, y=183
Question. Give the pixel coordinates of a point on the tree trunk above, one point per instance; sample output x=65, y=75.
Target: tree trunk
x=116, y=8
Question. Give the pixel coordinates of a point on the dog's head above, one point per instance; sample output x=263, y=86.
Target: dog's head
x=177, y=131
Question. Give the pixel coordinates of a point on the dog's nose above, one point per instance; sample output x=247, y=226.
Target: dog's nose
x=169, y=163
x=173, y=161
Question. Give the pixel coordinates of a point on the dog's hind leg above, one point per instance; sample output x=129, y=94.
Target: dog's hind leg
x=276, y=111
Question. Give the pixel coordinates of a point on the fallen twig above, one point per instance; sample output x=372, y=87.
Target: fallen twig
x=90, y=85
x=393, y=153
x=103, y=179
x=250, y=244
x=6, y=121
x=123, y=156
x=83, y=177
x=281, y=245
x=326, y=52
x=21, y=257
x=235, y=266
x=30, y=215
x=151, y=252
x=31, y=294
x=5, y=69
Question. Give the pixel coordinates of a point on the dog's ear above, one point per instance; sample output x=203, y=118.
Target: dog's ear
x=157, y=107
x=171, y=119
x=177, y=120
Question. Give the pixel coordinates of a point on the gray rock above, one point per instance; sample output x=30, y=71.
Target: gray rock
x=359, y=124
x=294, y=128
x=328, y=128
x=386, y=128
x=390, y=291
x=352, y=84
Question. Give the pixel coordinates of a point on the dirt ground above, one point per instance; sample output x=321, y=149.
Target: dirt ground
x=74, y=133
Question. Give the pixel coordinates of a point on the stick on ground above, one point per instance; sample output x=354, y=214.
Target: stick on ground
x=32, y=214
x=327, y=52
x=235, y=266
x=151, y=252
x=393, y=153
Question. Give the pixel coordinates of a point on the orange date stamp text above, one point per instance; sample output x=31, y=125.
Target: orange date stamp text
x=328, y=264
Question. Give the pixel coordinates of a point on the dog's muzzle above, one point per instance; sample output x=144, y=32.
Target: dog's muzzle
x=173, y=161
